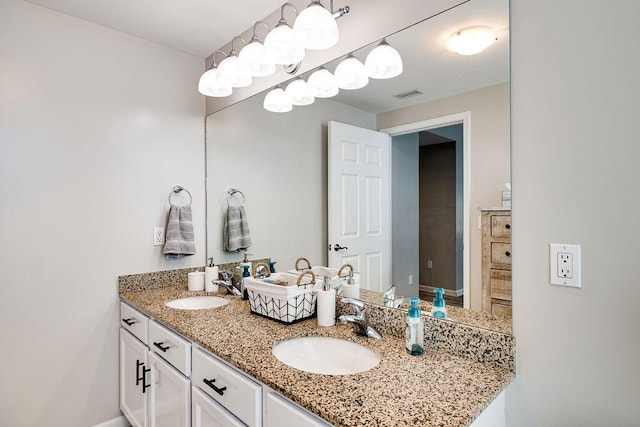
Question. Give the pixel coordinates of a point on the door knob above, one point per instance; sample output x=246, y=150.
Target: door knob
x=337, y=247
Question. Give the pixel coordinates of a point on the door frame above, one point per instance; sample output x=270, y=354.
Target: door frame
x=465, y=119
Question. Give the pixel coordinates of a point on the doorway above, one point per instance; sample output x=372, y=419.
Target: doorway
x=405, y=192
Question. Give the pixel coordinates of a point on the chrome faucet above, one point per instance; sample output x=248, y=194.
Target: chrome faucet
x=389, y=298
x=359, y=319
x=227, y=282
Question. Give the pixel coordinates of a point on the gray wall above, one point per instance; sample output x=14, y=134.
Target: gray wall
x=404, y=212
x=96, y=127
x=575, y=158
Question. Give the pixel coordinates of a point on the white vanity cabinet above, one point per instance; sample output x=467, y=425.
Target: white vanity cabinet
x=206, y=412
x=238, y=393
x=154, y=367
x=279, y=411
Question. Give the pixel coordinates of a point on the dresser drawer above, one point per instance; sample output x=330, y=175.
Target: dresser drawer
x=501, y=253
x=500, y=284
x=501, y=309
x=170, y=346
x=501, y=226
x=233, y=390
x=134, y=321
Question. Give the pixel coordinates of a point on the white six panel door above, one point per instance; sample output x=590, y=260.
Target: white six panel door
x=358, y=205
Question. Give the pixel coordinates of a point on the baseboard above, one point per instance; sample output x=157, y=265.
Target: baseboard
x=120, y=421
x=447, y=292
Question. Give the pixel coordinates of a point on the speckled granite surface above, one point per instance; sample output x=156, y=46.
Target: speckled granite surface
x=439, y=388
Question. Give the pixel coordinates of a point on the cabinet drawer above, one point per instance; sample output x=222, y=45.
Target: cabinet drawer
x=500, y=284
x=205, y=412
x=282, y=412
x=134, y=321
x=170, y=346
x=240, y=395
x=501, y=309
x=501, y=226
x=501, y=253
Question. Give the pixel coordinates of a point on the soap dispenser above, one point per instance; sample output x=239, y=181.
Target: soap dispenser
x=415, y=329
x=439, y=309
x=326, y=302
x=245, y=273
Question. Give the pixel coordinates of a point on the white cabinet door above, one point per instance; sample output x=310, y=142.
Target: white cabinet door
x=205, y=412
x=134, y=376
x=170, y=395
x=280, y=412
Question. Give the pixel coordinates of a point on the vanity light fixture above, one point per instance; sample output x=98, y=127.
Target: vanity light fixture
x=323, y=84
x=280, y=45
x=299, y=92
x=231, y=72
x=351, y=74
x=253, y=56
x=383, y=62
x=209, y=85
x=315, y=27
x=277, y=101
x=472, y=40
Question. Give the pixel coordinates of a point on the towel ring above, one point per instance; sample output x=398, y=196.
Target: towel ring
x=234, y=194
x=176, y=190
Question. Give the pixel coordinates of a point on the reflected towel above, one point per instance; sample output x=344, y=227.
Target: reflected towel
x=179, y=241
x=236, y=229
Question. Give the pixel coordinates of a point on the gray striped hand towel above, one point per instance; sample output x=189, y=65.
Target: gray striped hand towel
x=236, y=229
x=179, y=241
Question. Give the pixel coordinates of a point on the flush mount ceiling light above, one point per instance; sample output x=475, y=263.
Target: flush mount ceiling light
x=472, y=40
x=323, y=84
x=209, y=85
x=253, y=57
x=299, y=92
x=277, y=101
x=280, y=45
x=233, y=73
x=351, y=74
x=315, y=27
x=383, y=62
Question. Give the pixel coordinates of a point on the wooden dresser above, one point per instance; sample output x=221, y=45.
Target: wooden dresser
x=496, y=260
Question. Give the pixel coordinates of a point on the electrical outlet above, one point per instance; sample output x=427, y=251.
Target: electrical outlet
x=158, y=236
x=429, y=264
x=564, y=265
x=410, y=279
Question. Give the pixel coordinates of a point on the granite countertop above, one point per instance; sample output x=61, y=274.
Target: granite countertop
x=435, y=389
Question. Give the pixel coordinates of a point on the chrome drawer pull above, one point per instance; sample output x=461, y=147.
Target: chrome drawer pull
x=220, y=391
x=159, y=345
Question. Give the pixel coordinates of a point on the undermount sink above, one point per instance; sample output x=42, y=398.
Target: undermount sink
x=197, y=302
x=326, y=355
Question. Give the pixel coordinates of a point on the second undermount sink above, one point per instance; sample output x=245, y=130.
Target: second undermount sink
x=326, y=355
x=197, y=302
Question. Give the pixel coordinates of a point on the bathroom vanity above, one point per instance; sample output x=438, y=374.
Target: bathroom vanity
x=223, y=372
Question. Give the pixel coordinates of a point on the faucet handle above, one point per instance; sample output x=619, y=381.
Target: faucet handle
x=356, y=304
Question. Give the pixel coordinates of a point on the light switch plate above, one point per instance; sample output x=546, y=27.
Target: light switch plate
x=564, y=265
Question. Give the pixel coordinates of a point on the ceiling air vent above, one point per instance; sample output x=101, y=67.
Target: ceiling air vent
x=409, y=94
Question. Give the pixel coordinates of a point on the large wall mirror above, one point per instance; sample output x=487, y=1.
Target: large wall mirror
x=279, y=160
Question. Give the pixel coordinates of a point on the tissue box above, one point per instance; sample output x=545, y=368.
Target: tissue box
x=285, y=304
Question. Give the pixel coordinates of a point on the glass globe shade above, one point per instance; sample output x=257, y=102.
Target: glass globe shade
x=315, y=28
x=210, y=86
x=281, y=48
x=471, y=40
x=351, y=74
x=277, y=101
x=299, y=92
x=252, y=57
x=231, y=73
x=383, y=62
x=323, y=84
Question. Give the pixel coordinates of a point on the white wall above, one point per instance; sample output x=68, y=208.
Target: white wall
x=279, y=161
x=489, y=109
x=575, y=158
x=95, y=128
